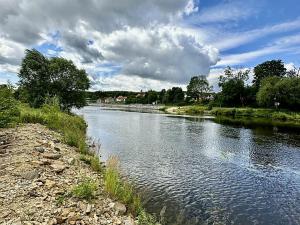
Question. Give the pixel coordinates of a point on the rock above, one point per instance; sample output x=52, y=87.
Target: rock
x=61, y=220
x=111, y=205
x=30, y=175
x=65, y=212
x=50, y=184
x=57, y=149
x=129, y=221
x=121, y=208
x=88, y=209
x=2, y=151
x=52, y=156
x=40, y=149
x=71, y=161
x=58, y=168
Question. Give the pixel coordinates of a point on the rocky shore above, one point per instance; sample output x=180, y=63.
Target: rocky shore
x=37, y=175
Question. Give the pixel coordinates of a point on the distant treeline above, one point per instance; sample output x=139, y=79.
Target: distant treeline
x=174, y=95
x=273, y=86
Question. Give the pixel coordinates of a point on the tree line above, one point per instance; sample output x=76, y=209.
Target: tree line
x=43, y=78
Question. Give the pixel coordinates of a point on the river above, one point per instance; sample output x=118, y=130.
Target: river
x=203, y=172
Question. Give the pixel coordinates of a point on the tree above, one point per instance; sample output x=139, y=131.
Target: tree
x=267, y=69
x=68, y=83
x=295, y=72
x=34, y=77
x=198, y=87
x=9, y=111
x=285, y=91
x=42, y=78
x=233, y=87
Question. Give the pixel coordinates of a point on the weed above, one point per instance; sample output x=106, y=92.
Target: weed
x=85, y=190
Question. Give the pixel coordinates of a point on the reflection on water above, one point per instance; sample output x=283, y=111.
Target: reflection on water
x=203, y=171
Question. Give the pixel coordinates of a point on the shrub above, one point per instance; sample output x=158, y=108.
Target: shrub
x=85, y=190
x=9, y=112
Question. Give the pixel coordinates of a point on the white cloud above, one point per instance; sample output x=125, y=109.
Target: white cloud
x=130, y=83
x=224, y=12
x=225, y=40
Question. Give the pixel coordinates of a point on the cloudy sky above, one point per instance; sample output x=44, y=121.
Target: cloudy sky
x=149, y=44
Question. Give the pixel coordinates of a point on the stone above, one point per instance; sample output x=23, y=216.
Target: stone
x=71, y=161
x=88, y=209
x=52, y=156
x=40, y=149
x=57, y=149
x=58, y=168
x=30, y=175
x=50, y=184
x=129, y=221
x=121, y=208
x=2, y=151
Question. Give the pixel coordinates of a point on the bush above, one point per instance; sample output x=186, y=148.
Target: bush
x=9, y=112
x=85, y=190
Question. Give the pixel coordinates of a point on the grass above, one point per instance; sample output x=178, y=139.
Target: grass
x=85, y=190
x=272, y=114
x=73, y=128
x=119, y=189
x=93, y=161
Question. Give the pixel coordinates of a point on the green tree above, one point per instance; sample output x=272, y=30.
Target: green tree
x=34, y=77
x=233, y=87
x=42, y=78
x=9, y=111
x=285, y=91
x=68, y=83
x=198, y=87
x=268, y=69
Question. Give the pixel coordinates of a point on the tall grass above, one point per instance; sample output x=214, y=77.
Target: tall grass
x=119, y=189
x=73, y=128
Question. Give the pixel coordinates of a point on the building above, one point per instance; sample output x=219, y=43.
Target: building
x=121, y=99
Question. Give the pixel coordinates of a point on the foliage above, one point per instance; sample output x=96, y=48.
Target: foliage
x=146, y=219
x=271, y=68
x=9, y=112
x=198, y=88
x=282, y=90
x=72, y=127
x=233, y=87
x=93, y=161
x=120, y=189
x=85, y=190
x=41, y=77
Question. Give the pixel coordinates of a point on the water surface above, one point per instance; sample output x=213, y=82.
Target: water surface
x=202, y=171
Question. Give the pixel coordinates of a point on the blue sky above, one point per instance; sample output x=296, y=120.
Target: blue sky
x=151, y=44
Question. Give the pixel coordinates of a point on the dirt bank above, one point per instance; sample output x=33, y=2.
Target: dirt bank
x=37, y=175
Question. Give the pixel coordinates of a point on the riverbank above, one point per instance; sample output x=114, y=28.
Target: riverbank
x=81, y=190
x=43, y=181
x=131, y=107
x=254, y=113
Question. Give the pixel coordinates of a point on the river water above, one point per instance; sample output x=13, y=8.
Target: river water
x=201, y=171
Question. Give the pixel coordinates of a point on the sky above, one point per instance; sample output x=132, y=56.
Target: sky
x=151, y=44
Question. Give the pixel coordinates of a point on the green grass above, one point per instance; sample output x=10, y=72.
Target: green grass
x=85, y=190
x=272, y=114
x=93, y=161
x=119, y=189
x=72, y=127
